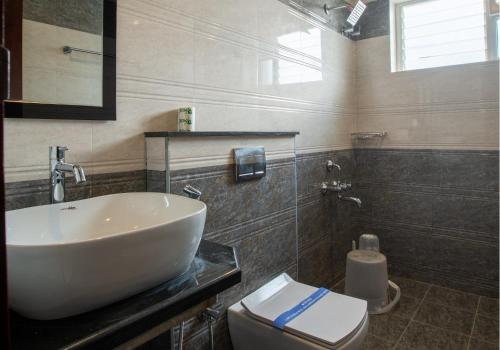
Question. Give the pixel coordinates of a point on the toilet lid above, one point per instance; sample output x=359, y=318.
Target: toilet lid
x=328, y=322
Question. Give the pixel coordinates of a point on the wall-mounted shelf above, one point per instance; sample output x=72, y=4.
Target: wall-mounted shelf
x=368, y=135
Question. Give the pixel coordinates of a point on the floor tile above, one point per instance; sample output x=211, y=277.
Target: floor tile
x=375, y=343
x=420, y=336
x=486, y=328
x=452, y=298
x=406, y=307
x=488, y=307
x=476, y=344
x=411, y=288
x=449, y=318
x=387, y=327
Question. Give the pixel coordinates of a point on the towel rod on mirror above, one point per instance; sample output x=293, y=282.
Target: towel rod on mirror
x=68, y=49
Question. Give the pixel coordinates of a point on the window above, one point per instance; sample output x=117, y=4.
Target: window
x=434, y=33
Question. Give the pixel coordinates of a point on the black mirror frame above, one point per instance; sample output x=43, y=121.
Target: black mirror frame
x=27, y=110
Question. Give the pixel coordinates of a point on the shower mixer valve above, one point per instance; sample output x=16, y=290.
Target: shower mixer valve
x=335, y=185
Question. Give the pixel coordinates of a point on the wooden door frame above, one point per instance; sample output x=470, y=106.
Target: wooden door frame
x=4, y=306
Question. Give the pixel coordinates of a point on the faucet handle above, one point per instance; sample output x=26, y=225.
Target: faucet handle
x=61, y=150
x=57, y=152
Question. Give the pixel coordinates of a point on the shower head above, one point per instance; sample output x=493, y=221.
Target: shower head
x=356, y=13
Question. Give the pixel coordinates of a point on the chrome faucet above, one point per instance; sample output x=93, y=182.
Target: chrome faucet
x=338, y=186
x=355, y=200
x=58, y=169
x=192, y=192
x=335, y=185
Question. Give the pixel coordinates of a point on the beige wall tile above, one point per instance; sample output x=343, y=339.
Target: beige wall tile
x=445, y=107
x=257, y=65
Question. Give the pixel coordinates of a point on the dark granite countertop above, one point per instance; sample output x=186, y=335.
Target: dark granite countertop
x=214, y=269
x=220, y=133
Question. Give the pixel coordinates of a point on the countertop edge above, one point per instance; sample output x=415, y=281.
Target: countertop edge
x=118, y=335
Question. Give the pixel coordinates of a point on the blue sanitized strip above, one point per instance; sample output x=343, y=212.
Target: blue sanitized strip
x=295, y=311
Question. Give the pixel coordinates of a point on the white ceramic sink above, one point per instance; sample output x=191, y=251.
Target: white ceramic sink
x=68, y=258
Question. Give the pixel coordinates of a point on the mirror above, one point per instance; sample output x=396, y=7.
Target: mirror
x=62, y=59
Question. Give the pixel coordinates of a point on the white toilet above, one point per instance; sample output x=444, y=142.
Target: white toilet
x=334, y=321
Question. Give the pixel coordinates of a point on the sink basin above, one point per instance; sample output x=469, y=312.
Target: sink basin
x=68, y=258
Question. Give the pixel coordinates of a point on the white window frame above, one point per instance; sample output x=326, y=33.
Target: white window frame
x=491, y=16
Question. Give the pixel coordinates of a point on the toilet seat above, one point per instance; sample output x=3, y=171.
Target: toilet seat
x=329, y=322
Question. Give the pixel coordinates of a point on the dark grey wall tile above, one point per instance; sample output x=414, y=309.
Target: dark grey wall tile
x=156, y=181
x=230, y=203
x=420, y=253
x=412, y=208
x=25, y=194
x=342, y=244
x=265, y=254
x=258, y=218
x=345, y=158
x=404, y=207
x=471, y=170
x=316, y=264
x=131, y=181
x=448, y=212
x=80, y=15
x=429, y=216
x=235, y=233
x=397, y=166
x=481, y=215
x=315, y=220
x=343, y=236
x=311, y=172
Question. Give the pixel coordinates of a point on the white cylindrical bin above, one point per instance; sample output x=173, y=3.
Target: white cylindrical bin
x=366, y=278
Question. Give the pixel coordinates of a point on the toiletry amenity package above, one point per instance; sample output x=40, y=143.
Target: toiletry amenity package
x=186, y=119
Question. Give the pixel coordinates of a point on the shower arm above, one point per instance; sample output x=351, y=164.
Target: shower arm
x=327, y=9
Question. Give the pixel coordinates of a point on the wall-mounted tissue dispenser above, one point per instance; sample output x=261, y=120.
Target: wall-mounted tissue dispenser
x=250, y=163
